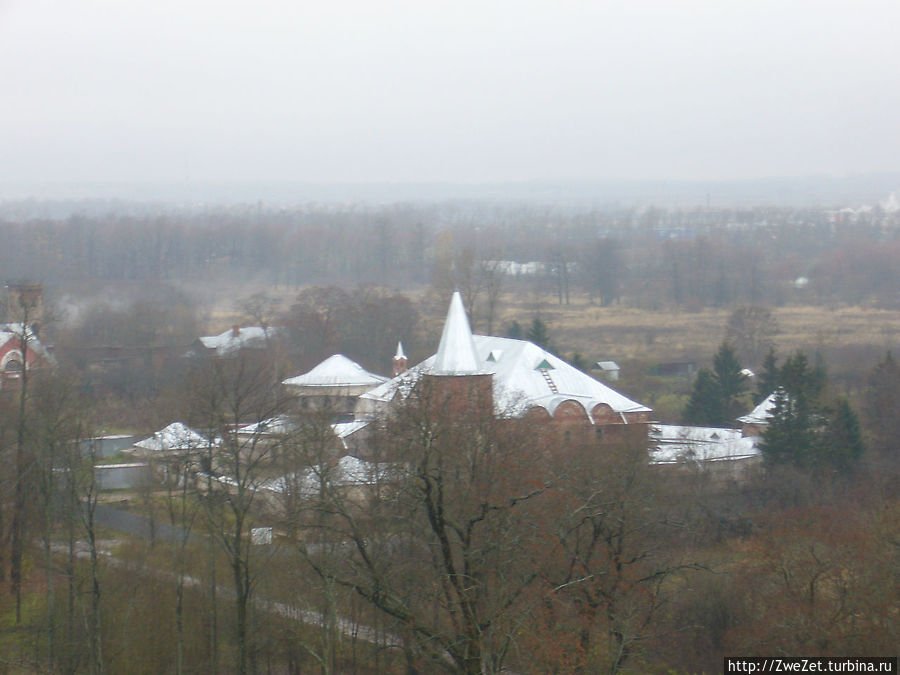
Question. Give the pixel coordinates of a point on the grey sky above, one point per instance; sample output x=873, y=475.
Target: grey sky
x=462, y=91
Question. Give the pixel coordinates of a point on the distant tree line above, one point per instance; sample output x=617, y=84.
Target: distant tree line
x=645, y=257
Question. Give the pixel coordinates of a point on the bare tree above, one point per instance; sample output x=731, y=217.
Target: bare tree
x=751, y=329
x=228, y=395
x=492, y=281
x=441, y=539
x=613, y=556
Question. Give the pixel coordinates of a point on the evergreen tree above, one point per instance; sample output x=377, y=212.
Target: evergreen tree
x=789, y=437
x=716, y=397
x=881, y=406
x=514, y=330
x=576, y=360
x=538, y=334
x=731, y=382
x=843, y=442
x=705, y=405
x=800, y=431
x=767, y=379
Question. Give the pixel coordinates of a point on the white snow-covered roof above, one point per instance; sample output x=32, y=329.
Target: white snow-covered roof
x=399, y=354
x=11, y=331
x=344, y=429
x=524, y=374
x=232, y=340
x=606, y=365
x=273, y=426
x=348, y=472
x=672, y=444
x=456, y=353
x=177, y=437
x=518, y=382
x=761, y=413
x=336, y=371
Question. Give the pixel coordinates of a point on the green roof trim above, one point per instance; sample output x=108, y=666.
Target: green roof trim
x=543, y=365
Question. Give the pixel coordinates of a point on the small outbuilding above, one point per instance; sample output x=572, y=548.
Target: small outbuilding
x=607, y=369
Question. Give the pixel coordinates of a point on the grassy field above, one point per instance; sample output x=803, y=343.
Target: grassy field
x=626, y=333
x=623, y=333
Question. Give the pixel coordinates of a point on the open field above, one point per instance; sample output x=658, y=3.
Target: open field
x=623, y=333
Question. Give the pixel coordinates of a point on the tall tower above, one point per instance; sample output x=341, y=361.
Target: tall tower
x=456, y=381
x=24, y=303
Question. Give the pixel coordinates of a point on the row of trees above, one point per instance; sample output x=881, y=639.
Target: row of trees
x=653, y=258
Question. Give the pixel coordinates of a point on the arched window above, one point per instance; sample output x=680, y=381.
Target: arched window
x=13, y=362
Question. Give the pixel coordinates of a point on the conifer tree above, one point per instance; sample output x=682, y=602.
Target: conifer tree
x=789, y=437
x=705, y=405
x=730, y=380
x=881, y=403
x=767, y=379
x=800, y=430
x=843, y=439
x=715, y=399
x=539, y=335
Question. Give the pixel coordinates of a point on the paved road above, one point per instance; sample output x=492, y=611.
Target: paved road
x=138, y=525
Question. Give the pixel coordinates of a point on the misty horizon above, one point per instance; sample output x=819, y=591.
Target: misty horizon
x=465, y=94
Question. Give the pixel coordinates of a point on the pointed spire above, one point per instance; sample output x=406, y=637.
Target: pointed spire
x=456, y=354
x=399, y=361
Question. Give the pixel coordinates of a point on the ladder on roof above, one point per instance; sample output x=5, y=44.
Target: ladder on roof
x=549, y=380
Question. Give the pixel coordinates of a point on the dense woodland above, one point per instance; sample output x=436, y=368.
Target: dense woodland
x=480, y=546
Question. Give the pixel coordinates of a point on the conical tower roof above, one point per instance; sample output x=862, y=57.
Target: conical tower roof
x=456, y=354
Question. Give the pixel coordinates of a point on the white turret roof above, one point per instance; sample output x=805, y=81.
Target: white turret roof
x=336, y=371
x=399, y=354
x=456, y=353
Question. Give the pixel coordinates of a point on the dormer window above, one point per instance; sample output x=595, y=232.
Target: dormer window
x=495, y=355
x=544, y=365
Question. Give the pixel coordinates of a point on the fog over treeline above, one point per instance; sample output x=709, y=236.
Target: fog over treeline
x=643, y=256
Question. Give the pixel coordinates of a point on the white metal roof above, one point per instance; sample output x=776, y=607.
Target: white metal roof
x=336, y=371
x=761, y=413
x=227, y=342
x=672, y=444
x=175, y=437
x=525, y=375
x=518, y=383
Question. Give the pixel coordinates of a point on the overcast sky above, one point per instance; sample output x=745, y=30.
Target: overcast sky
x=462, y=91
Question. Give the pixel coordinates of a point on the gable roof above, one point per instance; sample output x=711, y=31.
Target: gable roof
x=228, y=342
x=761, y=413
x=672, y=444
x=175, y=437
x=15, y=331
x=336, y=371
